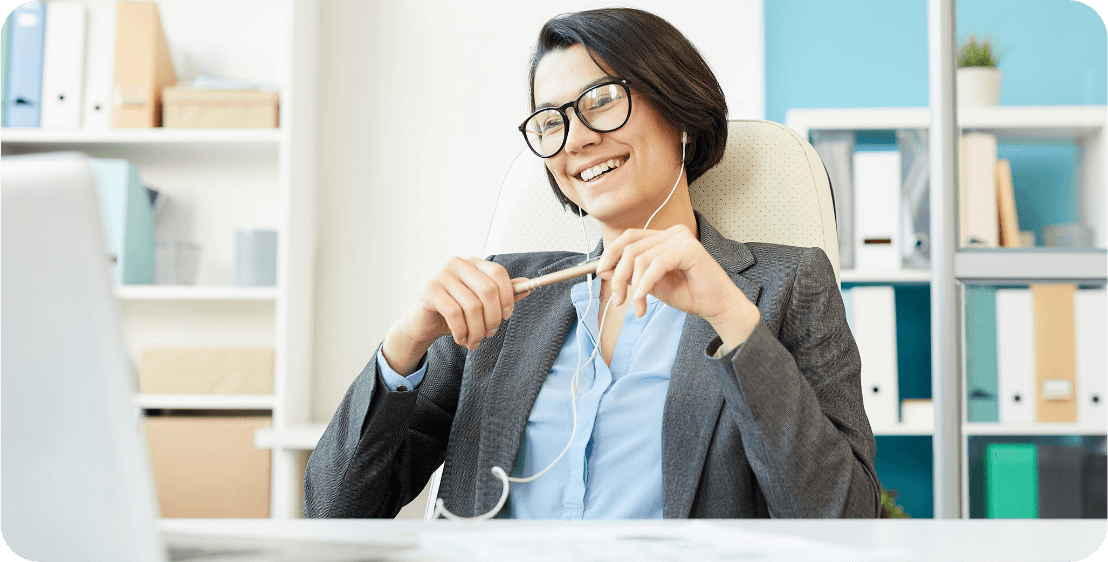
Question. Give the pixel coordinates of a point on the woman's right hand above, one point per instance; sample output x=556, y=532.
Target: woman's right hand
x=467, y=299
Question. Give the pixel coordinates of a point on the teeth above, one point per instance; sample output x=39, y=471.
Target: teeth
x=600, y=168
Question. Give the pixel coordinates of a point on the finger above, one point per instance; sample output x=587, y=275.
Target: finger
x=451, y=312
x=661, y=262
x=472, y=311
x=624, y=271
x=614, y=251
x=498, y=275
x=486, y=290
x=644, y=260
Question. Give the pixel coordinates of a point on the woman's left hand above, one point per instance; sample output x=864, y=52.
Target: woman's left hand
x=673, y=266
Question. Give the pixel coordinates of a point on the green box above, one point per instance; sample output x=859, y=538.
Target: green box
x=1011, y=481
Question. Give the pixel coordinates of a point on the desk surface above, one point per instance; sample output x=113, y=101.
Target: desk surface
x=406, y=540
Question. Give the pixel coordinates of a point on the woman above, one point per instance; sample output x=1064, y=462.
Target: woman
x=717, y=379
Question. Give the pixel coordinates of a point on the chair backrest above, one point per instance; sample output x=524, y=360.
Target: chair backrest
x=771, y=186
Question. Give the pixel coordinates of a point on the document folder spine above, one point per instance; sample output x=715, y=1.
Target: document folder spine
x=1011, y=481
x=63, y=66
x=981, y=357
x=24, y=100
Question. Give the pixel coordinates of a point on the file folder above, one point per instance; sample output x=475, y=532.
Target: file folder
x=100, y=66
x=142, y=66
x=1015, y=350
x=915, y=198
x=874, y=331
x=1011, y=481
x=1055, y=354
x=24, y=97
x=978, y=216
x=981, y=354
x=1091, y=325
x=1008, y=220
x=5, y=63
x=836, y=149
x=63, y=65
x=1061, y=482
x=128, y=221
x=876, y=210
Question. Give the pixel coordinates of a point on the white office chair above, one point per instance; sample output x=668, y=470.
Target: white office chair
x=770, y=186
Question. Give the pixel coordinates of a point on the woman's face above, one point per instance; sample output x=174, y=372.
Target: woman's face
x=647, y=149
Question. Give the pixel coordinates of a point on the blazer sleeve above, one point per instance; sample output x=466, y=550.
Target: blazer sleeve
x=798, y=398
x=381, y=447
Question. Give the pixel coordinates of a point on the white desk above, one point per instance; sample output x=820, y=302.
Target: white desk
x=407, y=540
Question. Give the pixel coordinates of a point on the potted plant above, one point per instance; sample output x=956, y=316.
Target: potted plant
x=978, y=78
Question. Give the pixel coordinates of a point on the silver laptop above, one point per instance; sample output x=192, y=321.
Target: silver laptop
x=76, y=481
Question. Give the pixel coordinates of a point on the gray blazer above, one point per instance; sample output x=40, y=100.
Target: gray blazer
x=774, y=428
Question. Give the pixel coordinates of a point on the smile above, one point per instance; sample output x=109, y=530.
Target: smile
x=600, y=169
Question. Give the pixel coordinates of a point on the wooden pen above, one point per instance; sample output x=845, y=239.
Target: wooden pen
x=557, y=276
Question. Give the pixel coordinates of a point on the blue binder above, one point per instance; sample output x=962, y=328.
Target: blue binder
x=128, y=221
x=6, y=54
x=23, y=102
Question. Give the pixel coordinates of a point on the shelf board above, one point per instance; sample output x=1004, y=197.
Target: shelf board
x=887, y=276
x=1010, y=123
x=299, y=437
x=155, y=135
x=993, y=428
x=195, y=293
x=1031, y=265
x=903, y=429
x=205, y=401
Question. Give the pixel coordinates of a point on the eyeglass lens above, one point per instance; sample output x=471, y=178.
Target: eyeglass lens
x=604, y=108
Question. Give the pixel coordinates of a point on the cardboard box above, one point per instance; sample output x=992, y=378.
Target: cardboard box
x=184, y=370
x=208, y=466
x=190, y=107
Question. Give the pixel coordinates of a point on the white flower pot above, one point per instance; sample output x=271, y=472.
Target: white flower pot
x=978, y=86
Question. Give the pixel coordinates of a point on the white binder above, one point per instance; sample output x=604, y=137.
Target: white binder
x=874, y=330
x=63, y=65
x=877, y=210
x=100, y=66
x=1015, y=350
x=1091, y=327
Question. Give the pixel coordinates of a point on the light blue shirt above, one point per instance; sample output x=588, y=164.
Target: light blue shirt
x=613, y=469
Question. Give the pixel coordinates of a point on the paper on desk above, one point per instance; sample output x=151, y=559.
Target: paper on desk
x=701, y=541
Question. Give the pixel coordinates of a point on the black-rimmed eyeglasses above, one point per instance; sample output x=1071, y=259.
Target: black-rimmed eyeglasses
x=602, y=108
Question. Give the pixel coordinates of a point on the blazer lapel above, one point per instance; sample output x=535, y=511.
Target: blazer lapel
x=526, y=357
x=694, y=402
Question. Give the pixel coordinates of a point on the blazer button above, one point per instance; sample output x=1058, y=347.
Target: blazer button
x=402, y=388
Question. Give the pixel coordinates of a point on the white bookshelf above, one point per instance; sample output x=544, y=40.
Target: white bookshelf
x=1084, y=126
x=217, y=181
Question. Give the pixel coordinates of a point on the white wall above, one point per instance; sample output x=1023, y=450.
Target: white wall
x=418, y=107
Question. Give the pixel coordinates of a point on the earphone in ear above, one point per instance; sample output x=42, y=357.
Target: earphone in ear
x=684, y=137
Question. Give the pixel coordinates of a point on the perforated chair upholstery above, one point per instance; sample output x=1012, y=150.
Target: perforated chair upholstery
x=770, y=186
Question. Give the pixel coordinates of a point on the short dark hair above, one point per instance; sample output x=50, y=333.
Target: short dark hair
x=661, y=65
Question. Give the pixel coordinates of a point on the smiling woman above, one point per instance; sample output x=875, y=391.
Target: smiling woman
x=694, y=376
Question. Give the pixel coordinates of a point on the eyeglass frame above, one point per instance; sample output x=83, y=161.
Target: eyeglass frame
x=562, y=110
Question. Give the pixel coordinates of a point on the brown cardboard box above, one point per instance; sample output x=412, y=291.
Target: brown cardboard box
x=208, y=466
x=189, y=107
x=184, y=370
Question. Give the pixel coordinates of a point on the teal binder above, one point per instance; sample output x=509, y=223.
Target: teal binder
x=1011, y=481
x=981, y=372
x=128, y=221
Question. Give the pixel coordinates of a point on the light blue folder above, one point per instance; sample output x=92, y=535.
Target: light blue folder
x=23, y=100
x=6, y=54
x=981, y=371
x=128, y=221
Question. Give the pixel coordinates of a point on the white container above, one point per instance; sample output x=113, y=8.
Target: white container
x=978, y=86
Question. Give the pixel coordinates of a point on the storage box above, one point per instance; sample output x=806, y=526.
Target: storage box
x=193, y=107
x=209, y=466
x=186, y=370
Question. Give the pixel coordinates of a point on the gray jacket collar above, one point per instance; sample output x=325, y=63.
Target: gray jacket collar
x=693, y=402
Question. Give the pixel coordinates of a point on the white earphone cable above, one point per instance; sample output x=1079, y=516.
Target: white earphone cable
x=440, y=506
